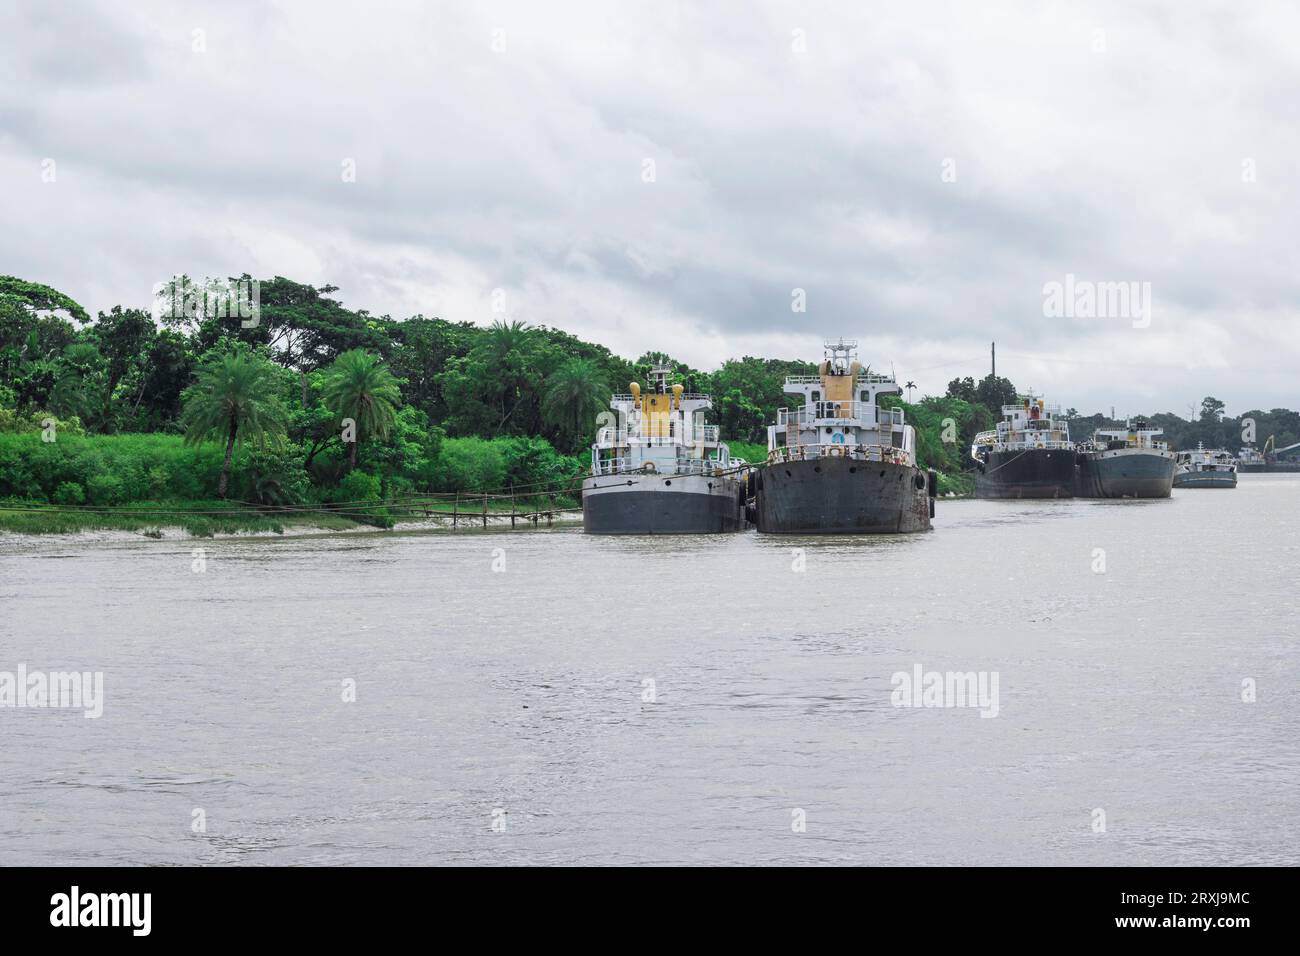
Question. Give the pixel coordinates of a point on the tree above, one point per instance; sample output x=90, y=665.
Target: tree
x=1211, y=410
x=79, y=388
x=358, y=386
x=747, y=393
x=423, y=347
x=575, y=394
x=33, y=335
x=994, y=391
x=125, y=337
x=233, y=397
x=963, y=388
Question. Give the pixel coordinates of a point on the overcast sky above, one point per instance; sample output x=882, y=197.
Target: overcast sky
x=920, y=170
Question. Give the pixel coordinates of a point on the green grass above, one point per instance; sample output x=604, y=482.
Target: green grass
x=201, y=519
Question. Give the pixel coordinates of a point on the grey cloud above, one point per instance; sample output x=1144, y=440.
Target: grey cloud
x=775, y=170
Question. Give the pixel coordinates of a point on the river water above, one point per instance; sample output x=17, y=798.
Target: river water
x=669, y=700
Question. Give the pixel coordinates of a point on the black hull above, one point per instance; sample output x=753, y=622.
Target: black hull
x=841, y=496
x=662, y=512
x=1125, y=476
x=1035, y=473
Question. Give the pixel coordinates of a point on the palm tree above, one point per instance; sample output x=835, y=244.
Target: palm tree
x=233, y=397
x=909, y=386
x=506, y=348
x=506, y=337
x=358, y=386
x=575, y=394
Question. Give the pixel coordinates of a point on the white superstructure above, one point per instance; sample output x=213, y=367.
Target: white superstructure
x=660, y=430
x=840, y=415
x=1031, y=423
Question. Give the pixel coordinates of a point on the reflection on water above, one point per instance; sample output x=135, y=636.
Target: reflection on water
x=668, y=700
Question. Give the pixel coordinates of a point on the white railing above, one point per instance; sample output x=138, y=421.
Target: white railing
x=1114, y=444
x=686, y=397
x=867, y=378
x=1032, y=433
x=860, y=452
x=863, y=413
x=1027, y=445
x=1048, y=411
x=640, y=466
x=659, y=434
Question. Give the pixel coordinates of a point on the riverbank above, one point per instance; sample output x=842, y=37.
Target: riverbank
x=208, y=519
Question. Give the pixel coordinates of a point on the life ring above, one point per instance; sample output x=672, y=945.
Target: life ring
x=649, y=467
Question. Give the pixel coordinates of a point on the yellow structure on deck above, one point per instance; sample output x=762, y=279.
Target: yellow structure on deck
x=657, y=408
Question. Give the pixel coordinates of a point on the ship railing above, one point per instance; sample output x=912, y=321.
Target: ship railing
x=863, y=414
x=642, y=466
x=659, y=433
x=1026, y=445
x=1048, y=411
x=626, y=399
x=1115, y=444
x=1034, y=425
x=858, y=452
x=866, y=378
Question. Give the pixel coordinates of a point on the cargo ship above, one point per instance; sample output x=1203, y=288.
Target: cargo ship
x=660, y=469
x=1270, y=459
x=1205, y=468
x=1127, y=462
x=840, y=463
x=1029, y=454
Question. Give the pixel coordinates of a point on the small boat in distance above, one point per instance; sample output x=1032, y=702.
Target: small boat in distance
x=1029, y=455
x=842, y=464
x=1205, y=468
x=1125, y=462
x=660, y=469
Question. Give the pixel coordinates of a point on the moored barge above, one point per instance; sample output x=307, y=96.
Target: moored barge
x=660, y=469
x=1028, y=455
x=1126, y=462
x=841, y=463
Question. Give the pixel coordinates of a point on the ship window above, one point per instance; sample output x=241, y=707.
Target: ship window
x=816, y=396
